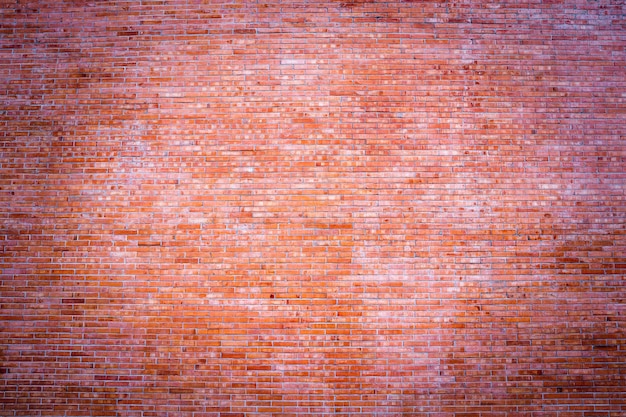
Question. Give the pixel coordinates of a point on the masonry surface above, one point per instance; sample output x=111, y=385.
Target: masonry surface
x=255, y=208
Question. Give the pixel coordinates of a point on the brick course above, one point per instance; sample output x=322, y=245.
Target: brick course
x=228, y=208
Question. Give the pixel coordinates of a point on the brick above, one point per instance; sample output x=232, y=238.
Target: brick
x=312, y=208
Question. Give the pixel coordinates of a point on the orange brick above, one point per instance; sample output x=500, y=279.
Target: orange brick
x=312, y=208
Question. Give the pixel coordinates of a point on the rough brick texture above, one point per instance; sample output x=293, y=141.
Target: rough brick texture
x=383, y=208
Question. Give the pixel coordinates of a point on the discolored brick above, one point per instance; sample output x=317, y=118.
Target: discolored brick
x=233, y=208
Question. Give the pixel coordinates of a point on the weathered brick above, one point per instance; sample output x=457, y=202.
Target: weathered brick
x=312, y=208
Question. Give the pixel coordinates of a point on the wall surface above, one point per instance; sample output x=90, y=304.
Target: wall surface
x=383, y=208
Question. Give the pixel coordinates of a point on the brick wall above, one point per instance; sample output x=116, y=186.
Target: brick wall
x=228, y=208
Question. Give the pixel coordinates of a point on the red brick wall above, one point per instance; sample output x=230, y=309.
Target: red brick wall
x=252, y=208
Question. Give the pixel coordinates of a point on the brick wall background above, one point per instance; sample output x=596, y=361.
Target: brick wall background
x=227, y=207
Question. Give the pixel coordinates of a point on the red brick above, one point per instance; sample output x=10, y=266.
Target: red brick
x=311, y=208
